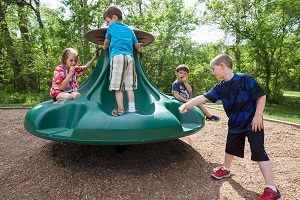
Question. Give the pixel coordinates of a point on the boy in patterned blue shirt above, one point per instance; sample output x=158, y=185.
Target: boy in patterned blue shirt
x=244, y=102
x=120, y=39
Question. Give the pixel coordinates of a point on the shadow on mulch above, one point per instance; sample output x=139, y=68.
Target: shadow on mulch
x=165, y=170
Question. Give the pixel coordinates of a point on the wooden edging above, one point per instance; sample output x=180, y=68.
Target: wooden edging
x=20, y=107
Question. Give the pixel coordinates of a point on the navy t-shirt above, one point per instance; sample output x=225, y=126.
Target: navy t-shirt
x=181, y=89
x=239, y=96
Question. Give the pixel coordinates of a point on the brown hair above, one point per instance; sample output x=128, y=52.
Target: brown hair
x=66, y=53
x=182, y=68
x=222, y=58
x=113, y=10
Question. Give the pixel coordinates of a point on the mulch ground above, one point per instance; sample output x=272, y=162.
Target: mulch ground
x=35, y=168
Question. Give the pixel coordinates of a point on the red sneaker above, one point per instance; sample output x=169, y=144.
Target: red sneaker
x=220, y=173
x=269, y=194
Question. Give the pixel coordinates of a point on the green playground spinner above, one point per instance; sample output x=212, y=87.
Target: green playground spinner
x=88, y=119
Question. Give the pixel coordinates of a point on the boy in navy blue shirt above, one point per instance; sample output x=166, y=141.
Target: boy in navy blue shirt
x=244, y=102
x=181, y=89
x=120, y=39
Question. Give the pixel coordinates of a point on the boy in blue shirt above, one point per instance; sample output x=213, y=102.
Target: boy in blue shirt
x=120, y=39
x=244, y=102
x=181, y=89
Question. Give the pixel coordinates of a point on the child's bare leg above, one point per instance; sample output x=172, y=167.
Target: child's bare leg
x=119, y=98
x=205, y=112
x=75, y=95
x=209, y=117
x=266, y=170
x=131, y=103
x=130, y=95
x=228, y=160
x=63, y=96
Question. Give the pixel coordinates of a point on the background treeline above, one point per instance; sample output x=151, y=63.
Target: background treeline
x=262, y=37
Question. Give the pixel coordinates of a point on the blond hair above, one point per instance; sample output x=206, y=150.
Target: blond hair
x=66, y=53
x=222, y=58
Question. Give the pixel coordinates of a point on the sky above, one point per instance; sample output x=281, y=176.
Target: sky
x=202, y=34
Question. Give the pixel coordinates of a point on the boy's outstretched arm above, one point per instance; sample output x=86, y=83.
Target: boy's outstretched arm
x=257, y=122
x=193, y=102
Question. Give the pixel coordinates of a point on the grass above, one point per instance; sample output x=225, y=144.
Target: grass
x=288, y=110
x=283, y=113
x=25, y=99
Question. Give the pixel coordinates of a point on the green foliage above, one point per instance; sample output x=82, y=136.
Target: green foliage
x=262, y=32
x=201, y=77
x=265, y=37
x=170, y=23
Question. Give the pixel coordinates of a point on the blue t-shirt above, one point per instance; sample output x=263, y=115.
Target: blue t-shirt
x=181, y=89
x=122, y=39
x=239, y=96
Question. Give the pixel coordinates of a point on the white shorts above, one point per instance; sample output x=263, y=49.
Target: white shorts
x=122, y=73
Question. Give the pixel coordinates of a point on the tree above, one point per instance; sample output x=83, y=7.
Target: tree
x=8, y=48
x=170, y=22
x=264, y=27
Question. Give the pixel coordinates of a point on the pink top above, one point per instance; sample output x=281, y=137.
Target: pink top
x=60, y=73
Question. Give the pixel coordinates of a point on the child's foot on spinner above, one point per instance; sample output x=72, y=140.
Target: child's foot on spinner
x=115, y=112
x=220, y=173
x=269, y=194
x=213, y=118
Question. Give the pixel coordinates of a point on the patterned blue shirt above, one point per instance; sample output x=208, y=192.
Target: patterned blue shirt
x=239, y=96
x=122, y=39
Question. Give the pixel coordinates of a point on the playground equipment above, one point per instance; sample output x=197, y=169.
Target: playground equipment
x=88, y=120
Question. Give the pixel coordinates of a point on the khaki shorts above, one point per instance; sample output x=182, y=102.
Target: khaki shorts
x=122, y=73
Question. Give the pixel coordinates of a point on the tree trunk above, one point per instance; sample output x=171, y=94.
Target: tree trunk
x=25, y=37
x=37, y=12
x=10, y=50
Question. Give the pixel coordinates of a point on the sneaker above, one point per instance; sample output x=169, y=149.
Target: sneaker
x=213, y=118
x=220, y=173
x=116, y=113
x=269, y=194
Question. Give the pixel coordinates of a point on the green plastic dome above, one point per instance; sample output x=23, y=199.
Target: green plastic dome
x=88, y=119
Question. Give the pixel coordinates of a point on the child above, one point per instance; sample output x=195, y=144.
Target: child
x=181, y=90
x=121, y=39
x=244, y=102
x=64, y=82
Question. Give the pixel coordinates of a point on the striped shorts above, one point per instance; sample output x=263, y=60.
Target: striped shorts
x=122, y=73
